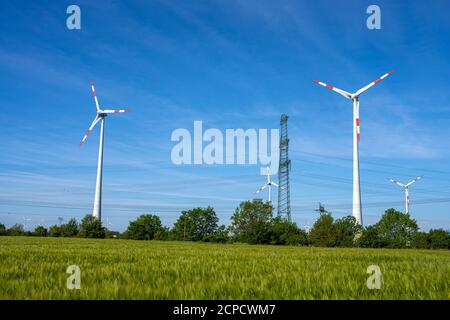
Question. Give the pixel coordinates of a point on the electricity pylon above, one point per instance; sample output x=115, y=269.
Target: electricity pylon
x=284, y=192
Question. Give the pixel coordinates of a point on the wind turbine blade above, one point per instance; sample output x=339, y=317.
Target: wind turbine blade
x=261, y=189
x=114, y=111
x=372, y=83
x=416, y=179
x=95, y=95
x=396, y=182
x=275, y=184
x=341, y=92
x=96, y=119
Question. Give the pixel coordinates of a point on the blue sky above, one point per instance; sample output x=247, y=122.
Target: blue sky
x=231, y=64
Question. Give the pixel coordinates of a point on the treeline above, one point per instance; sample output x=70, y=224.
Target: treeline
x=88, y=228
x=253, y=222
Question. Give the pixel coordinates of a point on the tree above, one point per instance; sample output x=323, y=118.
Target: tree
x=251, y=222
x=286, y=232
x=91, y=227
x=70, y=229
x=54, y=231
x=16, y=230
x=2, y=230
x=146, y=227
x=420, y=240
x=347, y=229
x=396, y=229
x=198, y=224
x=221, y=235
x=40, y=231
x=370, y=238
x=323, y=233
x=439, y=239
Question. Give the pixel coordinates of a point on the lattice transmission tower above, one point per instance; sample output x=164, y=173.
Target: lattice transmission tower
x=284, y=192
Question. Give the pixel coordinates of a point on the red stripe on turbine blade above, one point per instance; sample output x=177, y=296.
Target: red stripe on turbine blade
x=392, y=71
x=116, y=111
x=359, y=136
x=357, y=122
x=376, y=81
x=316, y=81
x=329, y=87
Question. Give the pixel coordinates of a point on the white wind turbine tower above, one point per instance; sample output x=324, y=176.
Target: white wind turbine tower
x=406, y=188
x=100, y=117
x=356, y=210
x=268, y=184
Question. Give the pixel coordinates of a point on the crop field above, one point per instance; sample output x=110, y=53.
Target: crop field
x=35, y=268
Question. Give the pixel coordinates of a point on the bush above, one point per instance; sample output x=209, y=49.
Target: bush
x=323, y=232
x=16, y=230
x=221, y=235
x=251, y=222
x=54, y=231
x=420, y=240
x=439, y=239
x=286, y=232
x=2, y=230
x=370, y=238
x=40, y=231
x=347, y=229
x=396, y=229
x=91, y=227
x=146, y=227
x=198, y=224
x=70, y=229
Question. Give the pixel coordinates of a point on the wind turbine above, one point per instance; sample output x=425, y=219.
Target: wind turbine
x=356, y=210
x=26, y=220
x=406, y=188
x=99, y=117
x=269, y=184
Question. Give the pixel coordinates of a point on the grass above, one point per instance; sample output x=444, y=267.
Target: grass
x=35, y=268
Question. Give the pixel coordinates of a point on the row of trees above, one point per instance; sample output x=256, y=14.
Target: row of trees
x=88, y=228
x=253, y=222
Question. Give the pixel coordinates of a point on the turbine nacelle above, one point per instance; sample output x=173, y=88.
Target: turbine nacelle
x=101, y=113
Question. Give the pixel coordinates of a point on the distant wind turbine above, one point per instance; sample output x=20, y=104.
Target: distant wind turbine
x=406, y=188
x=26, y=220
x=356, y=211
x=268, y=184
x=100, y=116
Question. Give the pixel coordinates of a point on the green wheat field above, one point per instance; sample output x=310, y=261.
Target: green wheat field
x=35, y=268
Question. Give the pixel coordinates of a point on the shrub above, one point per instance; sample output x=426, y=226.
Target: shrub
x=286, y=232
x=251, y=222
x=40, y=231
x=439, y=239
x=146, y=227
x=91, y=227
x=323, y=232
